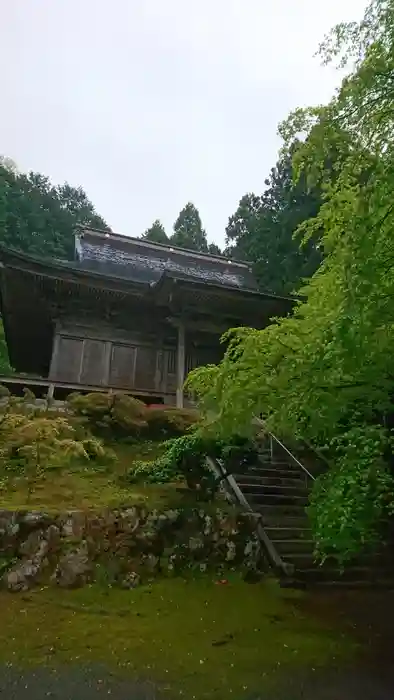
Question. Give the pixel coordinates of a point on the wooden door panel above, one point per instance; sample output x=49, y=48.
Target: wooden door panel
x=145, y=369
x=122, y=366
x=68, y=359
x=93, y=363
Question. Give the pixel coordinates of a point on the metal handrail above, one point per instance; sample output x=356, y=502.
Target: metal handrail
x=276, y=560
x=260, y=422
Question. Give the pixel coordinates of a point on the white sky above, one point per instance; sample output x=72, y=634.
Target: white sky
x=149, y=104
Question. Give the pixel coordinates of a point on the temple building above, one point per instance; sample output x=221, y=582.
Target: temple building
x=125, y=314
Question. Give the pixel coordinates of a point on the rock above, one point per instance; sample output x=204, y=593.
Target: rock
x=252, y=553
x=9, y=532
x=24, y=574
x=131, y=580
x=208, y=525
x=28, y=547
x=34, y=519
x=74, y=569
x=196, y=544
x=77, y=545
x=53, y=537
x=152, y=563
x=172, y=515
x=231, y=550
x=74, y=524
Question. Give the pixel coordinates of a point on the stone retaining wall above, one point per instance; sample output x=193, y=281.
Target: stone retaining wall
x=122, y=547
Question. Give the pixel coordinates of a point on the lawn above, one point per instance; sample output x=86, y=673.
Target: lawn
x=92, y=484
x=198, y=638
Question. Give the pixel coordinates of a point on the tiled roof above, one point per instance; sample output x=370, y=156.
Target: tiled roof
x=142, y=261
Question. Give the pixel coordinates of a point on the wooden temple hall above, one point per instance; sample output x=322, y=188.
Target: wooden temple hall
x=125, y=314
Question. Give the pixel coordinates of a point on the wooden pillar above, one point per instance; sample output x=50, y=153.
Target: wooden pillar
x=180, y=367
x=54, y=359
x=50, y=393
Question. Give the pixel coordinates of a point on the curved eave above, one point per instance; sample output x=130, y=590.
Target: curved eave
x=232, y=290
x=67, y=272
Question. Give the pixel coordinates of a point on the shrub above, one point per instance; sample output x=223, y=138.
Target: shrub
x=351, y=500
x=115, y=414
x=120, y=415
x=168, y=422
x=94, y=405
x=33, y=441
x=128, y=414
x=185, y=459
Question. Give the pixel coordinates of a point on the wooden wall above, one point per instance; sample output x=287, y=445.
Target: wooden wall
x=101, y=355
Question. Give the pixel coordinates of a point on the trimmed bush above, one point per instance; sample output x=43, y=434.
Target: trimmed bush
x=120, y=415
x=185, y=460
x=111, y=415
x=169, y=422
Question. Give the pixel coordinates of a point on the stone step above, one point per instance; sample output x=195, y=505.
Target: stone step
x=296, y=546
x=264, y=461
x=273, y=471
x=261, y=480
x=276, y=499
x=257, y=480
x=382, y=584
x=288, y=491
x=304, y=559
x=289, y=533
x=314, y=572
x=282, y=515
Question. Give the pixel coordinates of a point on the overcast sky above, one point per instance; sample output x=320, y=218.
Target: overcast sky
x=149, y=104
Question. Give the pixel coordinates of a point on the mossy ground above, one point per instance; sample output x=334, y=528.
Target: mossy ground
x=94, y=484
x=196, y=638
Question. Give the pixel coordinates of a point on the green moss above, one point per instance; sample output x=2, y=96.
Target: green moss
x=94, y=484
x=186, y=634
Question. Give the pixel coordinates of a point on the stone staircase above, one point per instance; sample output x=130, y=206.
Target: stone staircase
x=278, y=489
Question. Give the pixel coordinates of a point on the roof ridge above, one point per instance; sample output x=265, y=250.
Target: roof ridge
x=161, y=246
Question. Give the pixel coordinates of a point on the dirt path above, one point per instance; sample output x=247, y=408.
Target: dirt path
x=369, y=617
x=70, y=684
x=94, y=683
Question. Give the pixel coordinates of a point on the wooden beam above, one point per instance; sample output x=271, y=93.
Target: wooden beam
x=22, y=381
x=206, y=325
x=180, y=374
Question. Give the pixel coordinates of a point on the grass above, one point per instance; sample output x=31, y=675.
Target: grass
x=226, y=640
x=90, y=485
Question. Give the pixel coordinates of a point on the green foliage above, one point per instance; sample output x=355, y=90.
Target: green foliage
x=169, y=422
x=213, y=249
x=262, y=230
x=351, y=500
x=156, y=233
x=118, y=415
x=185, y=460
x=325, y=374
x=115, y=414
x=33, y=442
x=5, y=367
x=188, y=230
x=40, y=218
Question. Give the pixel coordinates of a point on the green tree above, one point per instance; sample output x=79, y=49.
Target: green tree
x=188, y=230
x=325, y=374
x=5, y=367
x=39, y=218
x=262, y=230
x=156, y=233
x=214, y=249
